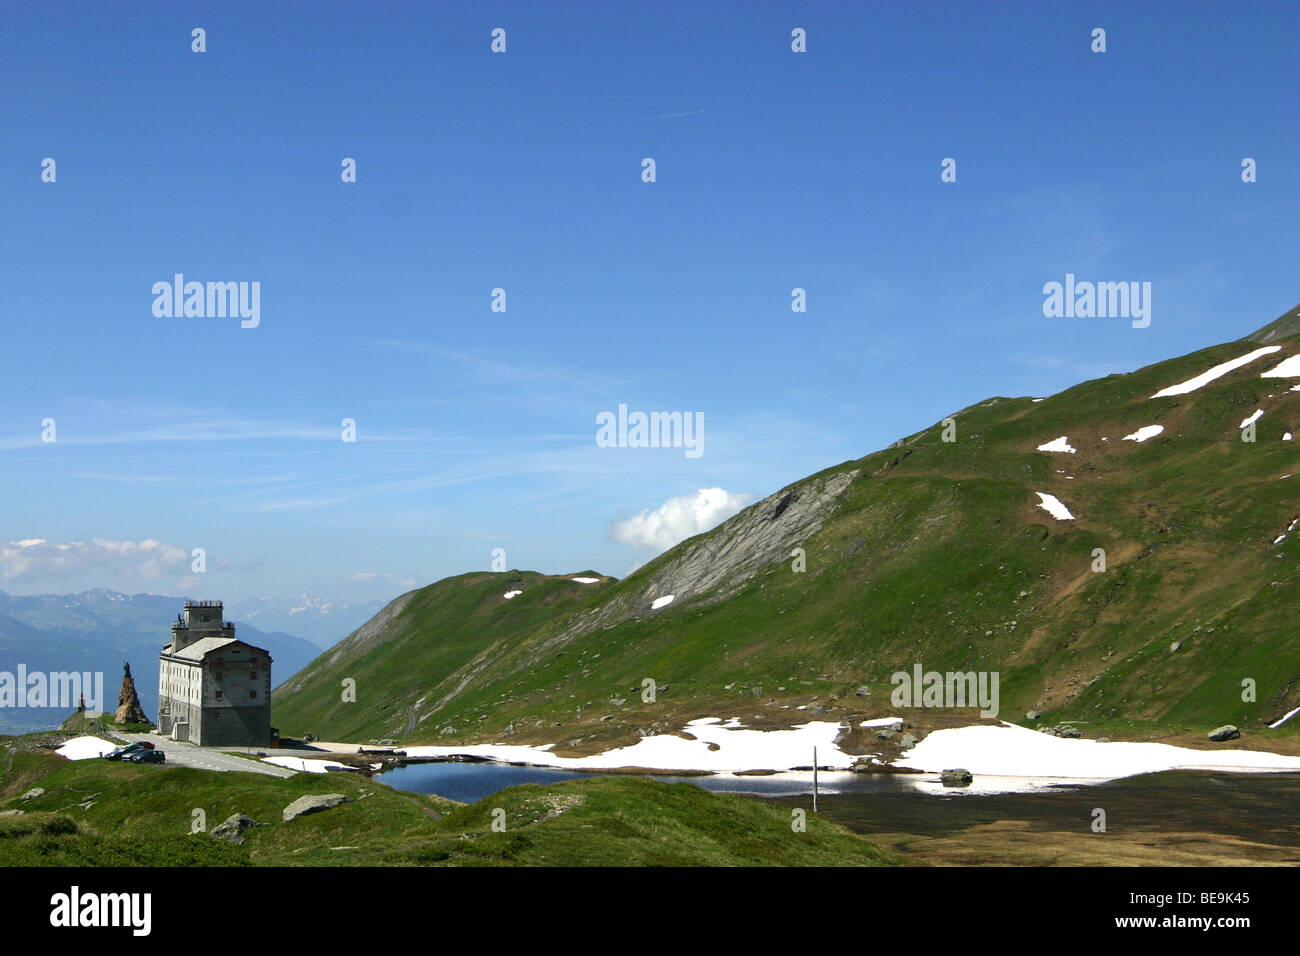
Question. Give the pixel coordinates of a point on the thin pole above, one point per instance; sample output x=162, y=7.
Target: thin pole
x=814, y=780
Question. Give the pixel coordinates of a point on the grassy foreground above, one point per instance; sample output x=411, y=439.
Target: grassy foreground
x=141, y=815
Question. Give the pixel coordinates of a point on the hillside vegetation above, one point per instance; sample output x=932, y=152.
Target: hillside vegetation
x=99, y=813
x=933, y=552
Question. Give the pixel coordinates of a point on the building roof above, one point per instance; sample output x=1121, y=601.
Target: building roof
x=205, y=646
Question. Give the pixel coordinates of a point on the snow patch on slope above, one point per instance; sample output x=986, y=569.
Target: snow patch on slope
x=1058, y=444
x=1143, y=433
x=1052, y=505
x=1192, y=384
x=1252, y=419
x=1288, y=368
x=1279, y=723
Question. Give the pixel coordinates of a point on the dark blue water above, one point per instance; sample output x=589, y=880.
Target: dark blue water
x=471, y=782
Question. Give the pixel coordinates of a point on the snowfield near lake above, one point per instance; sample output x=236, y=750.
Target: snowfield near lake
x=1052, y=505
x=1143, y=433
x=1014, y=751
x=84, y=748
x=1058, y=444
x=1016, y=755
x=1205, y=378
x=305, y=765
x=738, y=749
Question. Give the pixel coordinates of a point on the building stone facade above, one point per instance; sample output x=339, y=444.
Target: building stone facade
x=213, y=690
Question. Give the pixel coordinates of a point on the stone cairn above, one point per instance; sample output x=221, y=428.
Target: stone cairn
x=129, y=710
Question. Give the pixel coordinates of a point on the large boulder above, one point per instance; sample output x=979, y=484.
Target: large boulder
x=232, y=828
x=956, y=778
x=1226, y=732
x=313, y=803
x=32, y=794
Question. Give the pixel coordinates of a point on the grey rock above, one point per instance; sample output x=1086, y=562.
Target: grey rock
x=313, y=803
x=1174, y=647
x=1067, y=731
x=863, y=691
x=1226, y=732
x=956, y=778
x=907, y=741
x=32, y=794
x=233, y=827
x=12, y=813
x=714, y=567
x=887, y=733
x=1032, y=715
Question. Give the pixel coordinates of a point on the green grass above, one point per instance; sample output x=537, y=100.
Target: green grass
x=141, y=816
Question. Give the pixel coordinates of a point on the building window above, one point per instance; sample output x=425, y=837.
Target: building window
x=252, y=694
x=218, y=695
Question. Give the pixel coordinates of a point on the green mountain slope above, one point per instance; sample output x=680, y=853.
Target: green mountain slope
x=933, y=552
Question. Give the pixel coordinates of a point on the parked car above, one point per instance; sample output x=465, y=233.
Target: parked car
x=122, y=753
x=147, y=756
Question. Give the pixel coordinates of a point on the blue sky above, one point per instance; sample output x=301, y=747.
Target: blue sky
x=522, y=170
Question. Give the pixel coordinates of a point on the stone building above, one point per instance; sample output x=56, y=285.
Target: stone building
x=213, y=690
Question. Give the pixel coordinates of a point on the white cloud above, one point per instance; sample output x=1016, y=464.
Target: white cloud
x=677, y=519
x=35, y=558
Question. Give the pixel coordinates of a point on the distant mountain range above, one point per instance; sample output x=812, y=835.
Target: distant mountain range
x=1124, y=554
x=97, y=631
x=324, y=623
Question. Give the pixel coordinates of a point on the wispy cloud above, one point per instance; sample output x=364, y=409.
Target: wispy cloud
x=35, y=558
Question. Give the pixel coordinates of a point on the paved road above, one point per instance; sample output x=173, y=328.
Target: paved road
x=205, y=758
